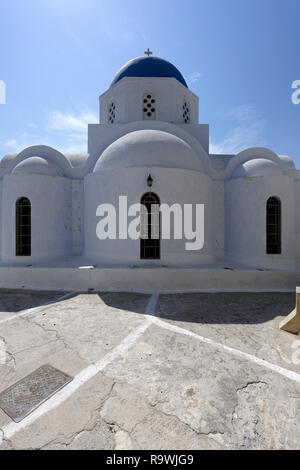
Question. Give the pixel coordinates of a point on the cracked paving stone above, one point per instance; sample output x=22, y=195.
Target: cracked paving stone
x=99, y=438
x=245, y=321
x=143, y=427
x=162, y=432
x=168, y=391
x=202, y=387
x=116, y=314
x=13, y=302
x=134, y=408
x=123, y=441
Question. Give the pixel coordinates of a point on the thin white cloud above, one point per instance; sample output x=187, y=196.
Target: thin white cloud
x=107, y=30
x=125, y=31
x=70, y=130
x=74, y=143
x=248, y=130
x=77, y=39
x=69, y=122
x=67, y=132
x=193, y=77
x=31, y=125
x=21, y=142
x=11, y=144
x=70, y=143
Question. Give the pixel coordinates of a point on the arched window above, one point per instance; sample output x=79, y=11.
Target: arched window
x=149, y=106
x=150, y=227
x=112, y=113
x=186, y=115
x=23, y=227
x=273, y=226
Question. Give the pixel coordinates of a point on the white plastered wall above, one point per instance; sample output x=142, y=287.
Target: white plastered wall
x=245, y=208
x=171, y=185
x=51, y=216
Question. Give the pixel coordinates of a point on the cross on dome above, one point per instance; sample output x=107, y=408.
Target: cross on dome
x=148, y=52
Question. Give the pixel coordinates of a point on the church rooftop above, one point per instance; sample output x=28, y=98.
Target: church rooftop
x=149, y=67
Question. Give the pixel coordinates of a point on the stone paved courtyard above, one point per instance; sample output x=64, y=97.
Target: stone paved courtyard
x=170, y=371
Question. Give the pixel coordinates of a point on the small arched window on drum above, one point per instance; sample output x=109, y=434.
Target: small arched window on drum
x=149, y=106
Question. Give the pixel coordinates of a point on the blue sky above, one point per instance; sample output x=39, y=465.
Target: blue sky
x=239, y=56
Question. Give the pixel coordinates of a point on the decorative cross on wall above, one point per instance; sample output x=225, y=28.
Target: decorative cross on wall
x=148, y=52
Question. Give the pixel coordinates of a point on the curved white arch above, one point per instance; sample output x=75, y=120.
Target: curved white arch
x=288, y=162
x=252, y=154
x=46, y=152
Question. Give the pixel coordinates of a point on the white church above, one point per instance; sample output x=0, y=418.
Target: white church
x=150, y=147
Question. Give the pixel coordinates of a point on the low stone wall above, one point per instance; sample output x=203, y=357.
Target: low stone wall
x=147, y=279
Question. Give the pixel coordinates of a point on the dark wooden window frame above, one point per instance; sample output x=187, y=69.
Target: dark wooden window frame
x=150, y=247
x=23, y=227
x=273, y=226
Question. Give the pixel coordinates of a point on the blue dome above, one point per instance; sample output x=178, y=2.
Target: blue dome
x=149, y=67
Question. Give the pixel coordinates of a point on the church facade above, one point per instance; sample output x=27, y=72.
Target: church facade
x=148, y=146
